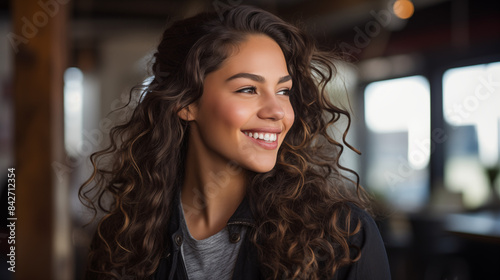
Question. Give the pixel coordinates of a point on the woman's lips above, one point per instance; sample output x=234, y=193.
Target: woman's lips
x=267, y=139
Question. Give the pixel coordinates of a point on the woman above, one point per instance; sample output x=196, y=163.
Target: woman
x=225, y=169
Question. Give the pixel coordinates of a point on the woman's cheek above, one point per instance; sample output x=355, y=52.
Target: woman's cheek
x=237, y=113
x=289, y=116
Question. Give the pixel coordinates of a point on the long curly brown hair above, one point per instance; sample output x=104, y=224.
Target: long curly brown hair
x=302, y=206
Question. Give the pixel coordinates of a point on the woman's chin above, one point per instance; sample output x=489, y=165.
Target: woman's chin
x=261, y=168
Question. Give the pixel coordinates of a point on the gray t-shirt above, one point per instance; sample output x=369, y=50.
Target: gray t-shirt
x=210, y=258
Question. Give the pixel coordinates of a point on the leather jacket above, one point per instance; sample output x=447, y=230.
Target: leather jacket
x=246, y=267
x=373, y=264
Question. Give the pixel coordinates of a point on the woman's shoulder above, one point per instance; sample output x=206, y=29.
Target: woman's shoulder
x=366, y=238
x=362, y=215
x=352, y=214
x=362, y=225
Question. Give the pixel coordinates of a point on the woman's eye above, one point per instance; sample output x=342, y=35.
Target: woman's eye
x=284, y=92
x=248, y=90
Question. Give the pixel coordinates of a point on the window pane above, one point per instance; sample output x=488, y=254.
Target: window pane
x=73, y=102
x=471, y=102
x=397, y=114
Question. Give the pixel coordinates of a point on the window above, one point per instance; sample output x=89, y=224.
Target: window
x=471, y=105
x=397, y=115
x=73, y=102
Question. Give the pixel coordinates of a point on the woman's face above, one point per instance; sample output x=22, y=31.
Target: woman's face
x=244, y=112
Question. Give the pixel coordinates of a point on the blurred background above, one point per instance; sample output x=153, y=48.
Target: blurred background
x=422, y=77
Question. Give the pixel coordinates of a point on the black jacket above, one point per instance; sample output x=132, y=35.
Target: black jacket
x=373, y=264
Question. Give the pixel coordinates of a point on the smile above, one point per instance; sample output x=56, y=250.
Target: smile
x=268, y=137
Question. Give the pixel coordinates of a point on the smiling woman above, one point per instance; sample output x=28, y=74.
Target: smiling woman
x=225, y=169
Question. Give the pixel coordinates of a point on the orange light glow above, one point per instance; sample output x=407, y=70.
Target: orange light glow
x=403, y=9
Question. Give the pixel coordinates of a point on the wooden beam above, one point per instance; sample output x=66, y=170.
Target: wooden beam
x=38, y=39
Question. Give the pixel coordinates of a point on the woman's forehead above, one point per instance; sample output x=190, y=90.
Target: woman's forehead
x=258, y=54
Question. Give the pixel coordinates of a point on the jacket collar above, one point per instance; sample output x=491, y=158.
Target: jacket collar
x=242, y=215
x=172, y=267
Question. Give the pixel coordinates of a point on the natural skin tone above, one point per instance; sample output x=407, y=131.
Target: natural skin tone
x=247, y=94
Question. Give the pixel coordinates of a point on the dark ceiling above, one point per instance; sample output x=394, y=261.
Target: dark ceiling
x=436, y=24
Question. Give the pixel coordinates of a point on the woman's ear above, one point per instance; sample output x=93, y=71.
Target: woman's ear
x=188, y=113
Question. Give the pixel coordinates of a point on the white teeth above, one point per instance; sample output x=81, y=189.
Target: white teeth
x=269, y=137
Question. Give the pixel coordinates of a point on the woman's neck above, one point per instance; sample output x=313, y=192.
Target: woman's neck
x=213, y=189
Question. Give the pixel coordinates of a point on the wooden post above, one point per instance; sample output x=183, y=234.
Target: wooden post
x=39, y=39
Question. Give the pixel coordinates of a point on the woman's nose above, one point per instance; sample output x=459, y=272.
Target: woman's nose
x=271, y=108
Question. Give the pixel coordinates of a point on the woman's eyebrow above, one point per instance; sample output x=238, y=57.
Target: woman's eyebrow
x=284, y=79
x=252, y=77
x=257, y=78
